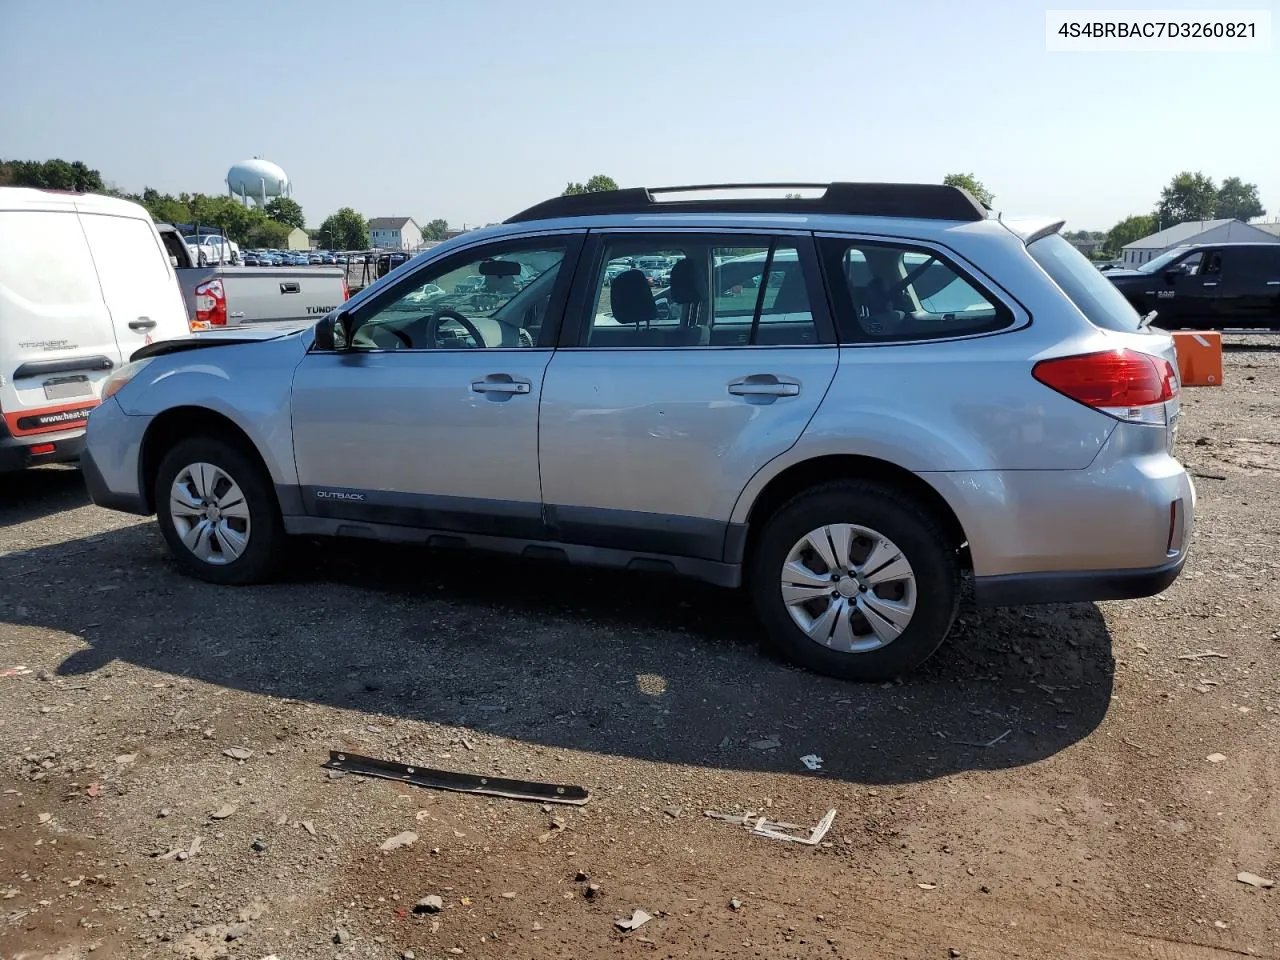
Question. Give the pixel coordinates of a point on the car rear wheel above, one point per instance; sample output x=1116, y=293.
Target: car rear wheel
x=218, y=513
x=853, y=580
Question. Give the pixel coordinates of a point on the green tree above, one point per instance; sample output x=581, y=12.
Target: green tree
x=435, y=230
x=1130, y=229
x=286, y=210
x=597, y=184
x=344, y=230
x=967, y=181
x=269, y=233
x=1239, y=200
x=1189, y=196
x=53, y=174
x=234, y=220
x=163, y=207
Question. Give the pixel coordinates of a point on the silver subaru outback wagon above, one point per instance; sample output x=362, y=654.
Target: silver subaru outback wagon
x=845, y=403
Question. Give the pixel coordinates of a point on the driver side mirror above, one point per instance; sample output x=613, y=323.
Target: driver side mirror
x=334, y=332
x=1173, y=273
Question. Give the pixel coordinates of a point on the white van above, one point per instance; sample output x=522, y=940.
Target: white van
x=84, y=282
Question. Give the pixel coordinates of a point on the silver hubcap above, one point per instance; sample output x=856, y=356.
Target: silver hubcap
x=209, y=512
x=849, y=588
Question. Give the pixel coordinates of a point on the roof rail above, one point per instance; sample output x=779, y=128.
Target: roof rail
x=928, y=201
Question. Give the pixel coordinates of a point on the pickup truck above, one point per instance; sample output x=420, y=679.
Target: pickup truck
x=1207, y=286
x=220, y=296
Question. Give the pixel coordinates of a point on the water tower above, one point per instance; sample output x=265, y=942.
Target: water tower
x=258, y=180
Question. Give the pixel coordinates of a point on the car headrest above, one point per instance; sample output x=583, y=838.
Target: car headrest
x=631, y=299
x=688, y=283
x=791, y=297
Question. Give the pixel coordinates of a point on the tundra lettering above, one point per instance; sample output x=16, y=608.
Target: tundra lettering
x=318, y=311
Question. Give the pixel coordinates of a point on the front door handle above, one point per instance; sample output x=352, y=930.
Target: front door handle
x=501, y=383
x=1211, y=283
x=763, y=385
x=142, y=323
x=1273, y=283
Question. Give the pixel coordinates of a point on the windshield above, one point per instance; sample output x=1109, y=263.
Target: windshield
x=1162, y=261
x=1090, y=290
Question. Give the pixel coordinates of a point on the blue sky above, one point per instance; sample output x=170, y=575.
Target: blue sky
x=472, y=110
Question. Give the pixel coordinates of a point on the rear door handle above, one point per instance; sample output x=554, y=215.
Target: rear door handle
x=1273, y=283
x=142, y=323
x=763, y=385
x=501, y=383
x=1211, y=283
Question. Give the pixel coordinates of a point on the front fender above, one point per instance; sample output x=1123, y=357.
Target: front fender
x=248, y=383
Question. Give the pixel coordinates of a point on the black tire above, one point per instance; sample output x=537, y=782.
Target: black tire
x=266, y=531
x=918, y=535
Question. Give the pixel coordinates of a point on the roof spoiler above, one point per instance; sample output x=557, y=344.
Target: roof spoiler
x=1047, y=230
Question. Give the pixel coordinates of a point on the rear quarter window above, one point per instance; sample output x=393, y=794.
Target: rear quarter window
x=1084, y=284
x=890, y=292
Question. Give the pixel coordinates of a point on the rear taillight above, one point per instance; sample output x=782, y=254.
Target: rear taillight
x=1123, y=384
x=211, y=306
x=346, y=291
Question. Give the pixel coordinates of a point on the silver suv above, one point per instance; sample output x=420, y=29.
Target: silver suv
x=847, y=402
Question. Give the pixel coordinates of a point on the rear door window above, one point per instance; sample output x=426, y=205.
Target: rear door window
x=891, y=292
x=710, y=291
x=1257, y=263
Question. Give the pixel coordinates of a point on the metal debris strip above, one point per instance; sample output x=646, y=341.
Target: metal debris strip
x=989, y=743
x=764, y=827
x=458, y=782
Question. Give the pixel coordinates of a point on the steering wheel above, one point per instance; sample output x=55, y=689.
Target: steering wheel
x=446, y=313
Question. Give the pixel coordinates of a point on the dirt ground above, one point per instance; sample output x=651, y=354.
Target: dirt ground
x=1078, y=781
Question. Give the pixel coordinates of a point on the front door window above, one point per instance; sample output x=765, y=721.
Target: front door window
x=496, y=299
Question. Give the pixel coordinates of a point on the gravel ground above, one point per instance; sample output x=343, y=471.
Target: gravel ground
x=1083, y=780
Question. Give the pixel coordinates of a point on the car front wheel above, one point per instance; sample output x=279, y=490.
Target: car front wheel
x=218, y=513
x=854, y=580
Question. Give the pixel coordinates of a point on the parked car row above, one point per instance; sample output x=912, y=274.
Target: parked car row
x=298, y=258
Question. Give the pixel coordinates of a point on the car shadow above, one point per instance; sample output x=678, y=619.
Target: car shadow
x=655, y=669
x=27, y=495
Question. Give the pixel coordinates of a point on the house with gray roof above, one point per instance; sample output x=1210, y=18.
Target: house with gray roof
x=1194, y=231
x=395, y=233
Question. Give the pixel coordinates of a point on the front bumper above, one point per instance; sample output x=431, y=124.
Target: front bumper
x=111, y=461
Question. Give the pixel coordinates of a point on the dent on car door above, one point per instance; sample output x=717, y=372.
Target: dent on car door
x=667, y=396
x=429, y=416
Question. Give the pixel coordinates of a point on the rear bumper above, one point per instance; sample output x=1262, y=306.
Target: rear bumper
x=1119, y=529
x=1071, y=586
x=16, y=453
